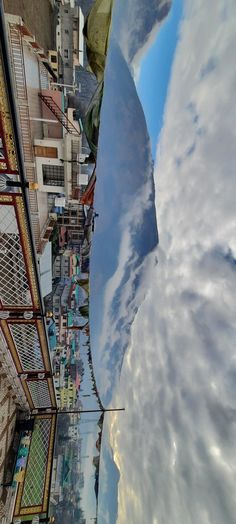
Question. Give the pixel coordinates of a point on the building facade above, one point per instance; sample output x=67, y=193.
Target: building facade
x=69, y=39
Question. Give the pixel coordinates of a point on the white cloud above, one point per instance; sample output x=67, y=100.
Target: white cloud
x=139, y=27
x=175, y=445
x=126, y=306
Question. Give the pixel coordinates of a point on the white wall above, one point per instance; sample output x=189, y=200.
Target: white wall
x=40, y=161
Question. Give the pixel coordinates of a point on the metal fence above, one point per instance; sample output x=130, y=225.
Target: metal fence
x=21, y=320
x=18, y=68
x=33, y=491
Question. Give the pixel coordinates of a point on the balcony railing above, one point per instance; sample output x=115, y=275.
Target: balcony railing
x=22, y=322
x=18, y=69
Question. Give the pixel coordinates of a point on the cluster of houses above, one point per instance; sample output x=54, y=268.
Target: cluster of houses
x=55, y=151
x=57, y=97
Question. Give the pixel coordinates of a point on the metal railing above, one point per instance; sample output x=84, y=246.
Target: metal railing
x=18, y=69
x=22, y=321
x=59, y=114
x=22, y=313
x=32, y=497
x=23, y=330
x=44, y=80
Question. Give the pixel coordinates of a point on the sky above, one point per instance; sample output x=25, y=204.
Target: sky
x=175, y=444
x=155, y=70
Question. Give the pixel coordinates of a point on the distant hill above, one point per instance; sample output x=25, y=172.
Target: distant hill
x=87, y=84
x=130, y=143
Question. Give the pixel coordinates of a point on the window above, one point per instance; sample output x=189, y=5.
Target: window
x=66, y=31
x=49, y=152
x=66, y=53
x=53, y=58
x=53, y=175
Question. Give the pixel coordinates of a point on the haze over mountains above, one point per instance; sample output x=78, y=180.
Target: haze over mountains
x=127, y=228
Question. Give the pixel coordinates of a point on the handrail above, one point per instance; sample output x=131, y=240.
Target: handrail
x=17, y=58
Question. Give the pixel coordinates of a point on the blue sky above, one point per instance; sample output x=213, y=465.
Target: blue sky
x=152, y=85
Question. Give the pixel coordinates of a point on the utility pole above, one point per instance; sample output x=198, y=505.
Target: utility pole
x=50, y=411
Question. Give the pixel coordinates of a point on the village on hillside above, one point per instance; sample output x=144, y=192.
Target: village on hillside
x=51, y=82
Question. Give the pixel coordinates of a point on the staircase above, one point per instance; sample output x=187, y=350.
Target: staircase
x=58, y=113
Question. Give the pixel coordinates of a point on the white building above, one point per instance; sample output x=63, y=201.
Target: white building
x=53, y=162
x=69, y=38
x=73, y=430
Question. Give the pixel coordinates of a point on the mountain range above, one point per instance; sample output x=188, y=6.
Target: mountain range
x=124, y=199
